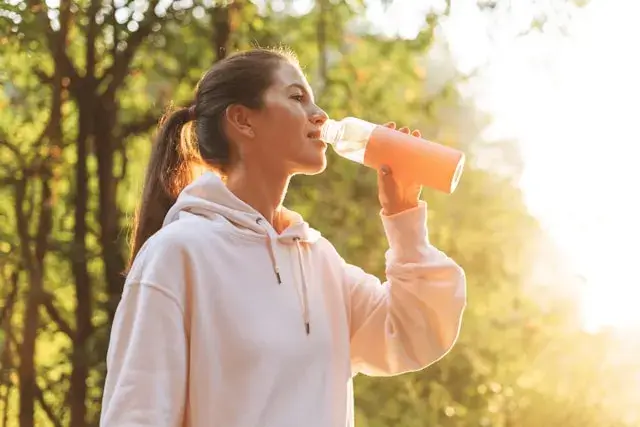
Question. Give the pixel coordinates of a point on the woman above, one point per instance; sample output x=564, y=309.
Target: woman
x=235, y=312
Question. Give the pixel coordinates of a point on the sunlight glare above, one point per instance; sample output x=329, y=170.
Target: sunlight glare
x=575, y=117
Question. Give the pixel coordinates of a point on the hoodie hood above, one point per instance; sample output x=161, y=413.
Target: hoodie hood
x=208, y=196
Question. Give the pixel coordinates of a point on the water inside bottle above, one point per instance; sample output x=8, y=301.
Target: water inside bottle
x=349, y=137
x=353, y=151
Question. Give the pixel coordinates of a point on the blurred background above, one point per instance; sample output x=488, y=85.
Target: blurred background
x=541, y=95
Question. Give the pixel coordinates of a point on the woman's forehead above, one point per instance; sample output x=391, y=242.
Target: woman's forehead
x=288, y=74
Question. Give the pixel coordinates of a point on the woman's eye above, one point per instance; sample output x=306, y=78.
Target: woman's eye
x=298, y=98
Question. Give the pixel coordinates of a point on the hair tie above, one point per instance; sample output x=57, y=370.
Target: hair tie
x=192, y=112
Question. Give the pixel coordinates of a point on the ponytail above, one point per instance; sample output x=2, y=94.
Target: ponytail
x=169, y=171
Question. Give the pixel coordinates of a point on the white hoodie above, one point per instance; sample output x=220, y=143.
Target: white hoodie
x=225, y=323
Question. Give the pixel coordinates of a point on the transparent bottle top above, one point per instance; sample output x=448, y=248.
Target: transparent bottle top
x=332, y=131
x=349, y=129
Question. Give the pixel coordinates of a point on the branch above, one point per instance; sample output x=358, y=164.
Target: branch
x=9, y=352
x=125, y=162
x=122, y=61
x=142, y=125
x=44, y=78
x=220, y=20
x=54, y=314
x=35, y=165
x=47, y=408
x=6, y=181
x=56, y=40
x=23, y=222
x=321, y=30
x=6, y=366
x=5, y=310
x=92, y=35
x=13, y=149
x=45, y=222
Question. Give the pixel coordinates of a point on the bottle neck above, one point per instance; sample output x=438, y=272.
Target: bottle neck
x=332, y=131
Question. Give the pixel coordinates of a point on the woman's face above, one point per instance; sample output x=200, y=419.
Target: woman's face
x=287, y=128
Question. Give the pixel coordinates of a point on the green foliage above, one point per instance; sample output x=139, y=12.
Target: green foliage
x=516, y=361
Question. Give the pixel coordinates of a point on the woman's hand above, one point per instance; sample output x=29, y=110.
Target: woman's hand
x=395, y=196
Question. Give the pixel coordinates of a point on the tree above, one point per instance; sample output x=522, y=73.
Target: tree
x=83, y=85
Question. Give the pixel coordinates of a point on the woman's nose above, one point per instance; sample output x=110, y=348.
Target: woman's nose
x=318, y=116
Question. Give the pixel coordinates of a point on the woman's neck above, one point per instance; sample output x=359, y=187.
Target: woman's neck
x=263, y=191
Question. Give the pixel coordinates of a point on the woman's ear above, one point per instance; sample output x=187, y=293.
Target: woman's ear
x=238, y=119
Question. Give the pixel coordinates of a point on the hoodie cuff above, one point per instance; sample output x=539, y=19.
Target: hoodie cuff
x=407, y=234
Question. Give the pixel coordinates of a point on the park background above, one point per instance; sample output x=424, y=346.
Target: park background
x=541, y=95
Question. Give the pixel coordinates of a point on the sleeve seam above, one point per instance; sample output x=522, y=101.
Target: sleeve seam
x=162, y=290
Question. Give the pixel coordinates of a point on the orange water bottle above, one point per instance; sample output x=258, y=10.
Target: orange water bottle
x=410, y=158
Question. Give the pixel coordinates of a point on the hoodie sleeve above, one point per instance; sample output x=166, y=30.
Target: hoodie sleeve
x=413, y=319
x=146, y=362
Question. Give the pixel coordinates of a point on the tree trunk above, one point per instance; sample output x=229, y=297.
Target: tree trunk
x=83, y=309
x=223, y=18
x=321, y=32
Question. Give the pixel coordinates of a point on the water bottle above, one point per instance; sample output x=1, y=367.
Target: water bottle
x=411, y=159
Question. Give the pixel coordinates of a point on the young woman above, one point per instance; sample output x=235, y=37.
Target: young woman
x=235, y=312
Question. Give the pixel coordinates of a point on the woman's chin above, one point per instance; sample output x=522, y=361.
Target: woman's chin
x=315, y=167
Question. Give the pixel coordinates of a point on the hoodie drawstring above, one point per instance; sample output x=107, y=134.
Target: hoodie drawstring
x=305, y=298
x=276, y=269
x=272, y=254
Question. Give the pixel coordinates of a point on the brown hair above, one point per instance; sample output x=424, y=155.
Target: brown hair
x=241, y=78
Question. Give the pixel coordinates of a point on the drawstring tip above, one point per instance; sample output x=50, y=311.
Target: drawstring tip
x=278, y=277
x=306, y=325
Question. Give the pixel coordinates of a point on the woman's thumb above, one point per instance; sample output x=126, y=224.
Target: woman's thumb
x=386, y=184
